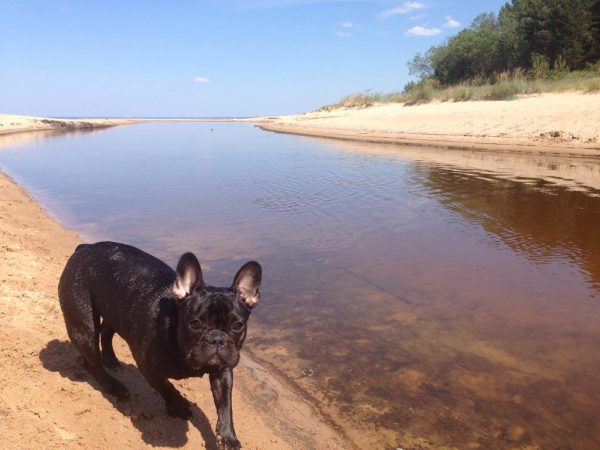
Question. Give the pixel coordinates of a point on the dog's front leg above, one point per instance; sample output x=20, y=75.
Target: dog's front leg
x=221, y=384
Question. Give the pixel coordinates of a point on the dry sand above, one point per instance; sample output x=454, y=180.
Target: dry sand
x=47, y=400
x=567, y=123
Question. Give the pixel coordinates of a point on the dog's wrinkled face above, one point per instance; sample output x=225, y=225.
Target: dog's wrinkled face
x=212, y=328
x=212, y=321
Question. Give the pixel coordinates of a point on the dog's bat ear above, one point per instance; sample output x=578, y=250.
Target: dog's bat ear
x=246, y=283
x=189, y=276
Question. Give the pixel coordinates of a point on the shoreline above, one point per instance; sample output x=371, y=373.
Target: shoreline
x=47, y=395
x=12, y=124
x=551, y=124
x=565, y=124
x=430, y=141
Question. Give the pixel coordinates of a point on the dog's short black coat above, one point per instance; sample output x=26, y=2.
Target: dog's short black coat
x=175, y=325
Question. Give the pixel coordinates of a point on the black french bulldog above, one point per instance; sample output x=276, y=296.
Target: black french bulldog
x=176, y=326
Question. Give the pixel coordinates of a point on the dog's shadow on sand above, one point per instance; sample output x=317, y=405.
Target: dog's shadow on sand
x=145, y=408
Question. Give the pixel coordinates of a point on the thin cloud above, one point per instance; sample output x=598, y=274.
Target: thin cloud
x=350, y=25
x=451, y=23
x=421, y=31
x=418, y=16
x=201, y=80
x=348, y=29
x=405, y=8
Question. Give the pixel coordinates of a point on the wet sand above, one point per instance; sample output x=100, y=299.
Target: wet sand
x=566, y=124
x=47, y=397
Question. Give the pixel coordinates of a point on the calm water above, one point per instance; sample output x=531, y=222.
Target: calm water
x=423, y=298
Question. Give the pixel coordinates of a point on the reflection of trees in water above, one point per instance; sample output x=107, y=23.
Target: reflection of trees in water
x=542, y=221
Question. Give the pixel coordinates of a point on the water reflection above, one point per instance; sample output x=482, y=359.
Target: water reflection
x=575, y=173
x=27, y=138
x=422, y=298
x=541, y=220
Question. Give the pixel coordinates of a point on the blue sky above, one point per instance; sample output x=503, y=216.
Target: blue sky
x=211, y=58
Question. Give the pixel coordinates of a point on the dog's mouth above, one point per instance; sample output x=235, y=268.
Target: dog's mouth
x=214, y=358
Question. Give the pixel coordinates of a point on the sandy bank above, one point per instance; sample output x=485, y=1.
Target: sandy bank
x=10, y=123
x=48, y=400
x=567, y=123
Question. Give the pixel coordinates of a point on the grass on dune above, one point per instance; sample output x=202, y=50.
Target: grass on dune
x=505, y=87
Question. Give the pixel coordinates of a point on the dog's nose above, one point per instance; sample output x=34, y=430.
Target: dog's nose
x=216, y=338
x=217, y=341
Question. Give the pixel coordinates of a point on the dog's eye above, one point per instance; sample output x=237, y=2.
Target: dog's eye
x=238, y=326
x=195, y=324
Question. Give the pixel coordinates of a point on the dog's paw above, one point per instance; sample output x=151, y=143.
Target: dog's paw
x=228, y=442
x=110, y=362
x=119, y=390
x=181, y=410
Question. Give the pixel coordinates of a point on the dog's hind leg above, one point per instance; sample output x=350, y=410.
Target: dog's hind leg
x=83, y=327
x=88, y=344
x=109, y=359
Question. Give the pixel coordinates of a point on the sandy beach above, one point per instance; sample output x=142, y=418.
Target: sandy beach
x=566, y=124
x=47, y=398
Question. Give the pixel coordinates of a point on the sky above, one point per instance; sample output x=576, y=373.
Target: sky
x=213, y=58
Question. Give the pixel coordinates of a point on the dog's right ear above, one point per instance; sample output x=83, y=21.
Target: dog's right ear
x=189, y=276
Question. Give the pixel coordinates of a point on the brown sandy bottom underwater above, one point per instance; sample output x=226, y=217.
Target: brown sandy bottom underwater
x=512, y=367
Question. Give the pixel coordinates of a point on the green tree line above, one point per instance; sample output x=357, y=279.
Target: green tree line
x=534, y=36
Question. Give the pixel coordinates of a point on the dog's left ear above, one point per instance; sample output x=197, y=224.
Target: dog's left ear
x=246, y=283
